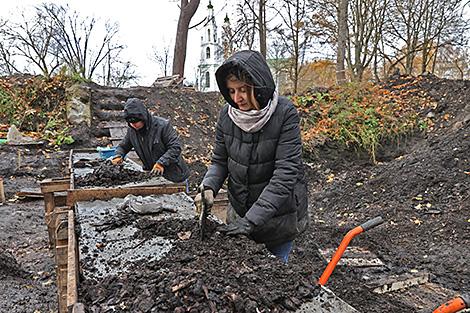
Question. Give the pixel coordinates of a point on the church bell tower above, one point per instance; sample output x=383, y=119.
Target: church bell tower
x=211, y=54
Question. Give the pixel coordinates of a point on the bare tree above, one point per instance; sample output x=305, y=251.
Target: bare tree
x=31, y=40
x=423, y=26
x=262, y=26
x=251, y=25
x=450, y=28
x=116, y=72
x=453, y=62
x=367, y=23
x=343, y=37
x=279, y=62
x=75, y=38
x=162, y=57
x=405, y=26
x=187, y=10
x=245, y=29
x=294, y=31
x=7, y=63
x=119, y=73
x=254, y=13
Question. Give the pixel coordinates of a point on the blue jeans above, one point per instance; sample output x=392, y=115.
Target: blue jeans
x=186, y=181
x=282, y=251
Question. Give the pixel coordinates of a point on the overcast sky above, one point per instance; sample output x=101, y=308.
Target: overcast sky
x=142, y=25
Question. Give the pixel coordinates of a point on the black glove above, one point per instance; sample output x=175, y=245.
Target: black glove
x=241, y=226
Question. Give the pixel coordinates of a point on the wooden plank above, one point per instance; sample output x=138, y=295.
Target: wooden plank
x=2, y=191
x=76, y=195
x=398, y=282
x=49, y=185
x=354, y=256
x=30, y=193
x=61, y=251
x=49, y=202
x=70, y=167
x=62, y=289
x=113, y=124
x=49, y=217
x=60, y=199
x=83, y=150
x=72, y=264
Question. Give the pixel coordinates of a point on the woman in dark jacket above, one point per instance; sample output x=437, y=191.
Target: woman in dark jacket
x=258, y=148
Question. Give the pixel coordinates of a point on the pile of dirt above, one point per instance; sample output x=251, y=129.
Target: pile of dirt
x=9, y=266
x=219, y=274
x=422, y=192
x=105, y=174
x=420, y=187
x=27, y=270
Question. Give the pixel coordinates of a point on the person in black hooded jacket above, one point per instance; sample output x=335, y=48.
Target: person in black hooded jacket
x=155, y=142
x=259, y=149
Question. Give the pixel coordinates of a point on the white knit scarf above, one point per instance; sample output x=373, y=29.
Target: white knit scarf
x=252, y=121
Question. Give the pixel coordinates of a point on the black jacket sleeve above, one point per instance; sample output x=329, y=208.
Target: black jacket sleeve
x=125, y=145
x=172, y=143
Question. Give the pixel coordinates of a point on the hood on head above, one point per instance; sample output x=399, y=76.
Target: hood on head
x=253, y=64
x=136, y=108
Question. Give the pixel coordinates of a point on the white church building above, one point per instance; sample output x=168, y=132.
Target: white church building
x=212, y=54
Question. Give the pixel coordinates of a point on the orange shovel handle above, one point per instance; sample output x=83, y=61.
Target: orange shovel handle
x=454, y=305
x=344, y=244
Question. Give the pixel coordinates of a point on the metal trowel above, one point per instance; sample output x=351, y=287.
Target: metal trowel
x=203, y=214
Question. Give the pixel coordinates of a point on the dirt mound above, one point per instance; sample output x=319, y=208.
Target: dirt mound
x=222, y=274
x=9, y=266
x=106, y=174
x=22, y=166
x=420, y=187
x=423, y=192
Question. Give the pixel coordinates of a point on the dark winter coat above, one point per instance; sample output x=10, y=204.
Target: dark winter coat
x=156, y=142
x=265, y=170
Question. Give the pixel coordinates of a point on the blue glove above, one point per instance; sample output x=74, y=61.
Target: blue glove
x=241, y=226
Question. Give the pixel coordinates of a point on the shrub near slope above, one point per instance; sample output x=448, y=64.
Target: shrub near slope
x=361, y=116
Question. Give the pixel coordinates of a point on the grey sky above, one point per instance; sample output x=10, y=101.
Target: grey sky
x=143, y=24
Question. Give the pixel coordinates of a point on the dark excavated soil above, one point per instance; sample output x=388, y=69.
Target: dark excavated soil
x=106, y=174
x=220, y=274
x=421, y=188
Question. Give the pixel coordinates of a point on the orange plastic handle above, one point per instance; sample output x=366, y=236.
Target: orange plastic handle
x=452, y=306
x=338, y=254
x=344, y=244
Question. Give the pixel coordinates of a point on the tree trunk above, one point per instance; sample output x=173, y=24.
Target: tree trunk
x=187, y=12
x=262, y=27
x=342, y=38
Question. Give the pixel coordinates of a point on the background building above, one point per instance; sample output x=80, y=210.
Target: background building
x=211, y=54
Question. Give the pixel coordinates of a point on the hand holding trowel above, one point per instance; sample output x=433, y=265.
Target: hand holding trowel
x=204, y=201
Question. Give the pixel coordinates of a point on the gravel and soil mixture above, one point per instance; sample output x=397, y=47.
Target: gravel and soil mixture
x=105, y=174
x=421, y=187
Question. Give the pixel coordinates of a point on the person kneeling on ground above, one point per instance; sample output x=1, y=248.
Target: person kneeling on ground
x=155, y=142
x=259, y=149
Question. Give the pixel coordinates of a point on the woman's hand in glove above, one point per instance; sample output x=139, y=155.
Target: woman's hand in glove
x=241, y=226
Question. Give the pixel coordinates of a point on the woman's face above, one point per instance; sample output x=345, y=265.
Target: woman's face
x=240, y=94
